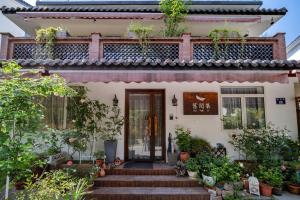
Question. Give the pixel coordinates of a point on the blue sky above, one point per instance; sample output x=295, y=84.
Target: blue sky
x=289, y=24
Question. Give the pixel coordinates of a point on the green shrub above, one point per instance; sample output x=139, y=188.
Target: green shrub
x=183, y=139
x=270, y=175
x=54, y=185
x=200, y=145
x=192, y=165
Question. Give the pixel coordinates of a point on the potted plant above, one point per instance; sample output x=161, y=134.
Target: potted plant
x=199, y=145
x=276, y=182
x=294, y=186
x=183, y=141
x=192, y=167
x=110, y=130
x=268, y=177
x=100, y=158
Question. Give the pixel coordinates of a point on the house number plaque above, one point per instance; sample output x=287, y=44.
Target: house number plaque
x=200, y=103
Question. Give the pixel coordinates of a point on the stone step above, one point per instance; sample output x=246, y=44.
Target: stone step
x=149, y=193
x=145, y=181
x=123, y=171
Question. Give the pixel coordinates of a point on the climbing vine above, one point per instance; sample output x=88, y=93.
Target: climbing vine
x=143, y=33
x=47, y=36
x=175, y=12
x=223, y=35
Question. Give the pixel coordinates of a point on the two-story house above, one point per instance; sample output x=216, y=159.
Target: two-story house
x=179, y=81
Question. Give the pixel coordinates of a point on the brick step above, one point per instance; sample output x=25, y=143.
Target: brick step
x=123, y=171
x=149, y=193
x=145, y=181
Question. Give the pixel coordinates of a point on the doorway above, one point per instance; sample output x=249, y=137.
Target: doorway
x=144, y=125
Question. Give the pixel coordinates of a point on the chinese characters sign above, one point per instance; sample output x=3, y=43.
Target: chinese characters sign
x=200, y=103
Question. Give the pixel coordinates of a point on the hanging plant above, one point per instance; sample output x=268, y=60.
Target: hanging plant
x=175, y=12
x=47, y=36
x=223, y=35
x=143, y=33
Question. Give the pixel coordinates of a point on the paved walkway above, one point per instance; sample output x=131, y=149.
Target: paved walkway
x=288, y=196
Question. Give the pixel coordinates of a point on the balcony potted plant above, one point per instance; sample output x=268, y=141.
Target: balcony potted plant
x=183, y=141
x=110, y=130
x=294, y=186
x=100, y=158
x=192, y=167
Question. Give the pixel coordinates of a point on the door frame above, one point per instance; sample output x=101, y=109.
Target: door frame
x=126, y=127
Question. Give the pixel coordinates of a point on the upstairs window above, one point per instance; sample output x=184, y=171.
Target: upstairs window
x=243, y=107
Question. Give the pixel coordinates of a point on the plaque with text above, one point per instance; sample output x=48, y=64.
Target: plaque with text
x=200, y=103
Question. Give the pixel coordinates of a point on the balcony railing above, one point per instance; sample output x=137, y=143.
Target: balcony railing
x=182, y=48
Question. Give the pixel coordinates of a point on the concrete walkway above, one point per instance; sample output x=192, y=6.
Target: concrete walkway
x=288, y=196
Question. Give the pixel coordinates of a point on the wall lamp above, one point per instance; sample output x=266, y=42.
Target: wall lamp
x=174, y=101
x=115, y=101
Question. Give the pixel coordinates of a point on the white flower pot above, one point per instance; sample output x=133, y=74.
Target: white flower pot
x=192, y=175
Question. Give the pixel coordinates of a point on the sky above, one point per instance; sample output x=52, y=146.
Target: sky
x=289, y=23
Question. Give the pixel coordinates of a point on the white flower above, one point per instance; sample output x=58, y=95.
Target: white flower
x=73, y=121
x=71, y=140
x=258, y=142
x=82, y=100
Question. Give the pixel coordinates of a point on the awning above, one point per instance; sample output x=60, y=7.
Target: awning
x=79, y=76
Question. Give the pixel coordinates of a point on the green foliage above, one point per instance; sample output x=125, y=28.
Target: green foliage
x=204, y=160
x=47, y=36
x=199, y=145
x=224, y=170
x=21, y=115
x=219, y=35
x=99, y=155
x=142, y=32
x=270, y=175
x=183, y=139
x=112, y=124
x=262, y=145
x=54, y=185
x=86, y=116
x=192, y=165
x=175, y=12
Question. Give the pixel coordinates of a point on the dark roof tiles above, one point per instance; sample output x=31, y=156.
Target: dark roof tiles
x=148, y=64
x=263, y=11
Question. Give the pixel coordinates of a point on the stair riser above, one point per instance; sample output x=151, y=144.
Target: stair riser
x=140, y=172
x=148, y=197
x=100, y=183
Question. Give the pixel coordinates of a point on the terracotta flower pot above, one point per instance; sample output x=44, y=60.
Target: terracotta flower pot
x=293, y=188
x=245, y=184
x=99, y=162
x=184, y=156
x=265, y=190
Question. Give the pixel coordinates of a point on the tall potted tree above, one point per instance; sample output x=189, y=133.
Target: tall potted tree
x=183, y=141
x=110, y=130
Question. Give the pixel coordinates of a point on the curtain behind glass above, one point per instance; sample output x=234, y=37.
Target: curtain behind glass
x=232, y=112
x=54, y=112
x=255, y=110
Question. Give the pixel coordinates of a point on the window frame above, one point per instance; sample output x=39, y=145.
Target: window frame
x=243, y=104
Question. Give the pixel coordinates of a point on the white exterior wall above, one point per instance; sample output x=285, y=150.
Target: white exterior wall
x=7, y=26
x=209, y=126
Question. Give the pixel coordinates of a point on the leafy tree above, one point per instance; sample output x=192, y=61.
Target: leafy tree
x=21, y=115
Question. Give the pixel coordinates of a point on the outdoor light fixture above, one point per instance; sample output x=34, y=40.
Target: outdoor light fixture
x=115, y=101
x=174, y=101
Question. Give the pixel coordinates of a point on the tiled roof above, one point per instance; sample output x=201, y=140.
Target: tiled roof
x=281, y=11
x=23, y=3
x=162, y=65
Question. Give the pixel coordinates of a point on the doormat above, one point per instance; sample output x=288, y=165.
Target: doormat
x=139, y=165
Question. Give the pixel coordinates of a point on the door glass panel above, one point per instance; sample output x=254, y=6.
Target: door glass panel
x=158, y=121
x=139, y=127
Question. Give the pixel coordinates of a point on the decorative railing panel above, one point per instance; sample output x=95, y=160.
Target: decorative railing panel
x=233, y=51
x=60, y=51
x=136, y=51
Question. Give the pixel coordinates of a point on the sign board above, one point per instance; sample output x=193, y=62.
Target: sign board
x=200, y=103
x=280, y=101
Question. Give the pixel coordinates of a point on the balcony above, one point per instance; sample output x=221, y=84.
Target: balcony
x=185, y=48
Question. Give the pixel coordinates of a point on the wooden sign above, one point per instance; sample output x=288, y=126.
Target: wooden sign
x=200, y=103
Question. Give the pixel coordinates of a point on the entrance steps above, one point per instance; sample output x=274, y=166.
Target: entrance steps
x=146, y=184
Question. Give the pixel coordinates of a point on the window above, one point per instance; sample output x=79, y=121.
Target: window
x=243, y=107
x=57, y=114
